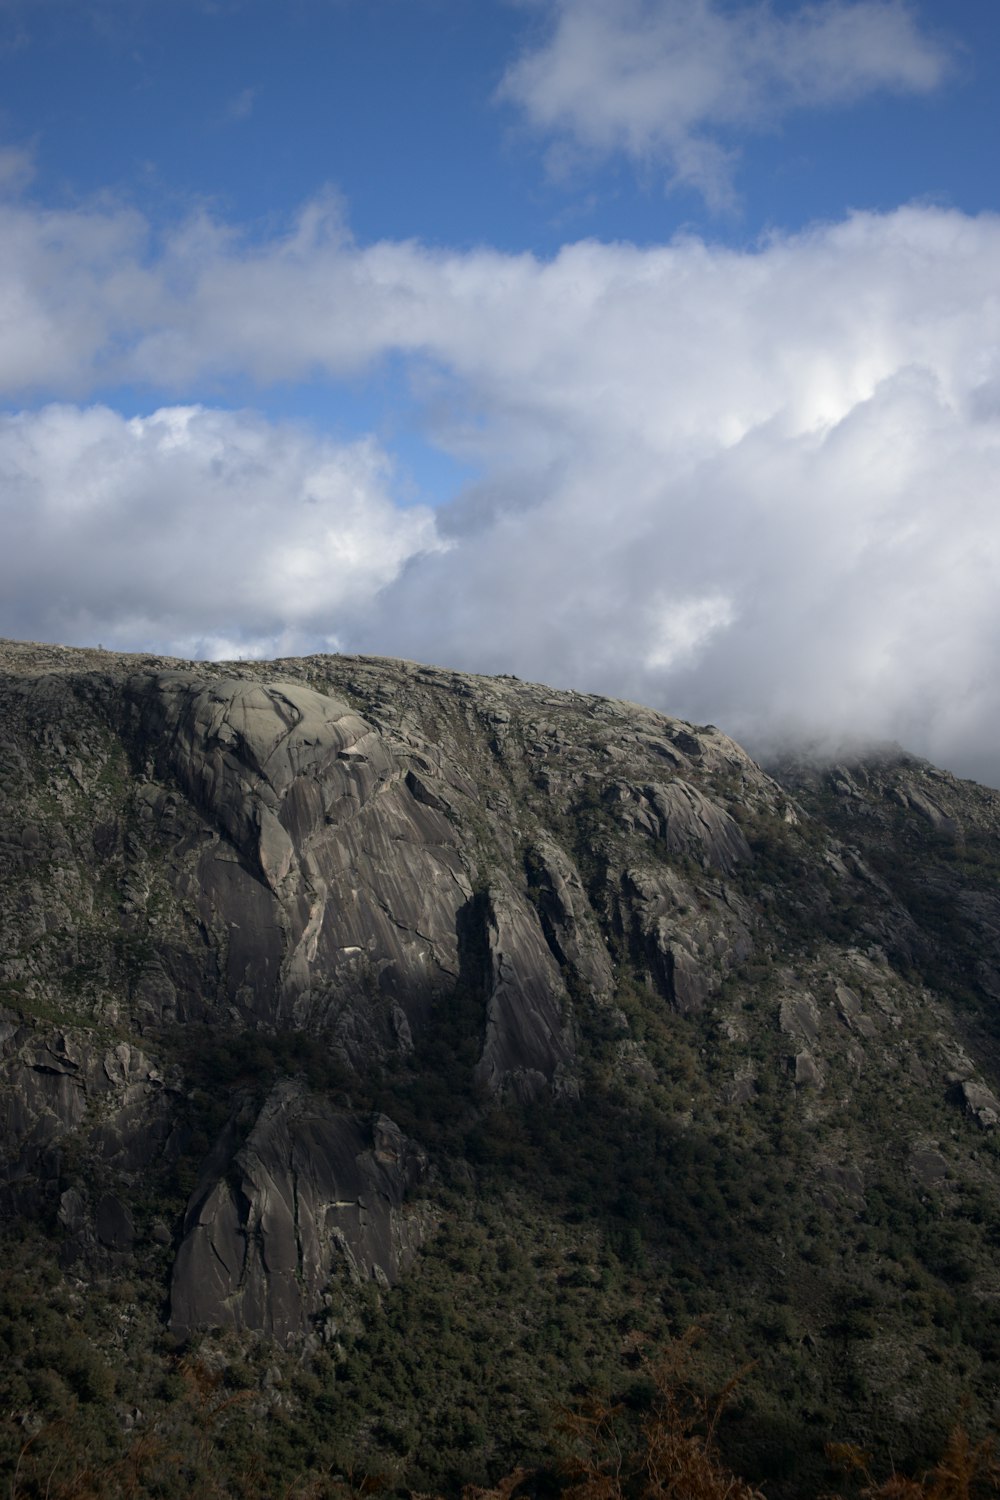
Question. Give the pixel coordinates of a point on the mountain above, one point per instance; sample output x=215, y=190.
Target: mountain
x=396, y=1054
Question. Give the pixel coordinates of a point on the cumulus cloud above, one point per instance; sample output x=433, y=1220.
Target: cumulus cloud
x=72, y=284
x=207, y=533
x=660, y=79
x=821, y=583
x=756, y=487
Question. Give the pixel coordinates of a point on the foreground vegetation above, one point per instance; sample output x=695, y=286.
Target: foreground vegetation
x=662, y=1444
x=570, y=1235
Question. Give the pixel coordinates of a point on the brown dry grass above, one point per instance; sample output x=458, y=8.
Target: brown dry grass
x=965, y=1471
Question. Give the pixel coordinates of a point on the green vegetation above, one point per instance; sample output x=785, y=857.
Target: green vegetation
x=662, y=1432
x=789, y=1162
x=573, y=1232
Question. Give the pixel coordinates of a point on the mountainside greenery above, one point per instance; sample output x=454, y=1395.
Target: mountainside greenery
x=645, y=1038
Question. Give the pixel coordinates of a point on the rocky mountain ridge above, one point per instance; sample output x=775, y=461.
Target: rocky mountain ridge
x=293, y=950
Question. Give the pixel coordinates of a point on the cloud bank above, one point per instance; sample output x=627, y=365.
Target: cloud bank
x=661, y=80
x=756, y=487
x=208, y=533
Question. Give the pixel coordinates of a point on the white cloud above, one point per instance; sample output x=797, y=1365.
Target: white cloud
x=72, y=284
x=202, y=532
x=756, y=487
x=680, y=629
x=659, y=79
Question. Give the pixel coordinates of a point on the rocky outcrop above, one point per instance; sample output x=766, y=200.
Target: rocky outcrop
x=81, y=1125
x=55, y=1082
x=980, y=1103
x=333, y=848
x=686, y=821
x=324, y=863
x=528, y=1042
x=568, y=919
x=685, y=941
x=308, y=1187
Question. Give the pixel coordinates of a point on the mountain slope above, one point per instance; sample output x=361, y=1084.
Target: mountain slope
x=409, y=1046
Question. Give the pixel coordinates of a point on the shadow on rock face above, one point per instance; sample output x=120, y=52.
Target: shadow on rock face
x=309, y=1184
x=112, y=1101
x=528, y=1043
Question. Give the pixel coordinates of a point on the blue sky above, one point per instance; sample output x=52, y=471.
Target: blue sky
x=399, y=107
x=641, y=345
x=397, y=104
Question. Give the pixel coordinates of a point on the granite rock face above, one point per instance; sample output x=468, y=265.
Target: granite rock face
x=332, y=848
x=683, y=821
x=528, y=1043
x=61, y=1088
x=331, y=884
x=237, y=898
x=56, y=1081
x=309, y=1185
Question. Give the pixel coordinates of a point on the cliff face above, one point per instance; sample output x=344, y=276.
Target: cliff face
x=328, y=847
x=370, y=870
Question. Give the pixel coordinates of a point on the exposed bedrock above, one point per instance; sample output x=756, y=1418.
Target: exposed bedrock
x=308, y=1186
x=528, y=1043
x=81, y=1125
x=686, y=938
x=684, y=819
x=324, y=866
x=382, y=858
x=568, y=920
x=56, y=1081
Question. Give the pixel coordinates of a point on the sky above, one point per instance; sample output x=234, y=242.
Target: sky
x=646, y=347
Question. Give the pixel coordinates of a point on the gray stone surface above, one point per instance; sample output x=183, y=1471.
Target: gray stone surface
x=528, y=1042
x=323, y=864
x=60, y=1082
x=687, y=822
x=980, y=1103
x=687, y=942
x=307, y=1187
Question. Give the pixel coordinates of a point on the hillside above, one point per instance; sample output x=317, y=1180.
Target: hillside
x=395, y=1053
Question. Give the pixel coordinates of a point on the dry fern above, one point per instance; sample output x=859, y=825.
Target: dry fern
x=965, y=1471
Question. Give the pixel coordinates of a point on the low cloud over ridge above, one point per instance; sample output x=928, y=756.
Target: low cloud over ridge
x=205, y=533
x=756, y=487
